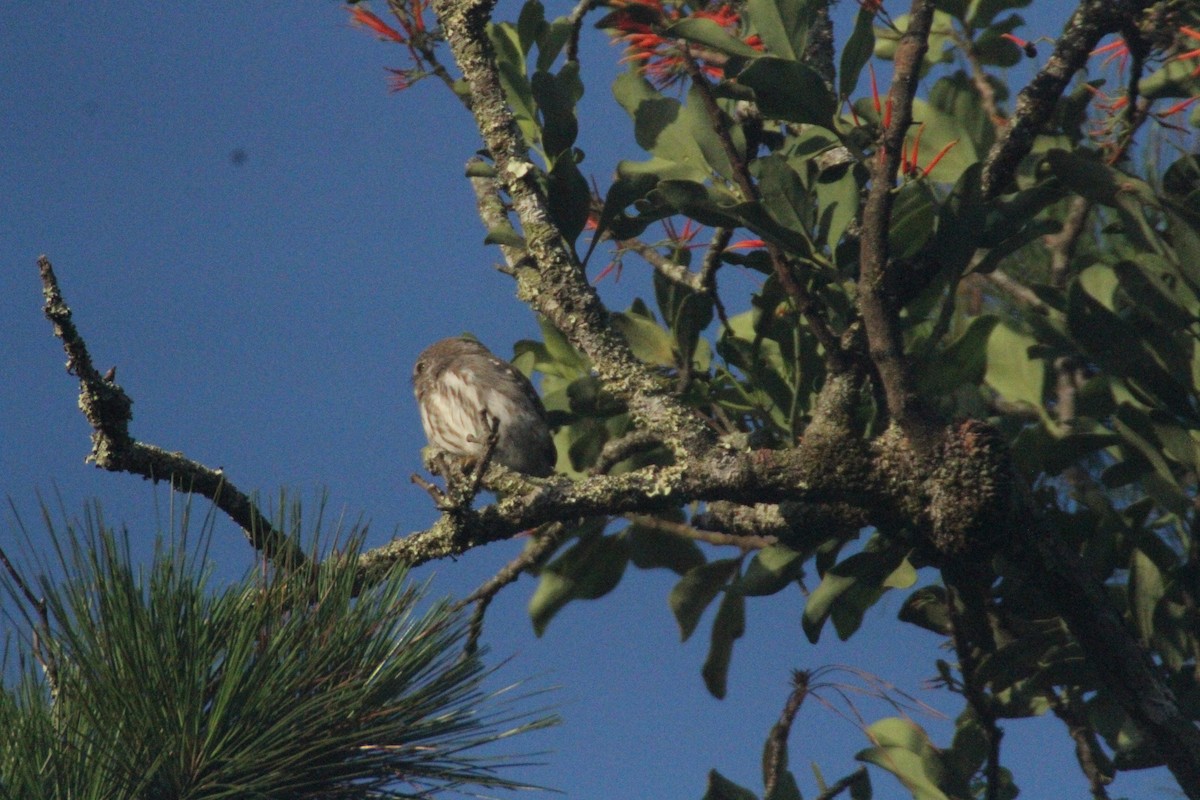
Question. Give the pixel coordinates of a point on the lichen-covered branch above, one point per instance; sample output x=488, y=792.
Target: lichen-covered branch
x=108, y=410
x=555, y=284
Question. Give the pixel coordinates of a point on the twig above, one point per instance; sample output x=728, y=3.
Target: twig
x=1062, y=244
x=1096, y=766
x=42, y=641
x=108, y=410
x=683, y=531
x=545, y=542
x=775, y=751
x=805, y=305
x=576, y=19
x=709, y=267
x=617, y=450
x=979, y=77
x=968, y=625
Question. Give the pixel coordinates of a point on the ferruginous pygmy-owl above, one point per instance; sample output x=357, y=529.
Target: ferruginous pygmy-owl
x=461, y=387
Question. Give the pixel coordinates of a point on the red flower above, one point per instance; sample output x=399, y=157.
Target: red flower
x=664, y=60
x=1191, y=33
x=369, y=20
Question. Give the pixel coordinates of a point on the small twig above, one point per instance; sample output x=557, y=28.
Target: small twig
x=576, y=19
x=775, y=751
x=1062, y=244
x=966, y=619
x=41, y=634
x=744, y=543
x=1018, y=291
x=1096, y=766
x=979, y=77
x=494, y=213
x=545, y=541
x=108, y=410
x=492, y=423
x=709, y=267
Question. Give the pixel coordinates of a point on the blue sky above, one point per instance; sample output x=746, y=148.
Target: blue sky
x=264, y=315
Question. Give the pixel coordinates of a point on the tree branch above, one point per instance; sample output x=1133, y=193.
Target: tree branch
x=555, y=285
x=876, y=301
x=1092, y=21
x=108, y=410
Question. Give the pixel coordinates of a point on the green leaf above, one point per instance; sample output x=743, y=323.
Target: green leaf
x=648, y=340
x=569, y=197
x=1147, y=587
x=504, y=235
x=1016, y=376
x=768, y=23
x=927, y=608
x=653, y=549
x=728, y=627
x=867, y=569
x=708, y=33
x=696, y=590
x=531, y=24
x=556, y=106
x=721, y=788
x=963, y=362
x=857, y=52
x=657, y=124
x=786, y=788
x=771, y=569
x=789, y=91
x=912, y=220
x=903, y=749
x=589, y=570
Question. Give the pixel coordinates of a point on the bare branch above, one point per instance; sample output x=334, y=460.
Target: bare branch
x=108, y=410
x=876, y=286
x=775, y=752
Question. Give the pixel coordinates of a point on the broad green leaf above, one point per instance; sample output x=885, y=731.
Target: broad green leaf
x=771, y=569
x=767, y=20
x=912, y=220
x=789, y=91
x=962, y=362
x=658, y=126
x=1016, y=376
x=867, y=569
x=569, y=197
x=1100, y=281
x=708, y=33
x=648, y=340
x=653, y=549
x=927, y=608
x=556, y=107
x=837, y=203
x=857, y=52
x=728, y=627
x=907, y=755
x=531, y=24
x=786, y=788
x=1147, y=586
x=588, y=570
x=696, y=590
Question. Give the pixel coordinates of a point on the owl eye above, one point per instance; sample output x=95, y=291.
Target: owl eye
x=418, y=368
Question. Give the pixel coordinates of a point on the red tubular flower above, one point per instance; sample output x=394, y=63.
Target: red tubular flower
x=1191, y=33
x=369, y=20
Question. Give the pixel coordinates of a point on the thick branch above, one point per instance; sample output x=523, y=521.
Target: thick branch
x=879, y=309
x=1124, y=667
x=108, y=410
x=1092, y=21
x=556, y=285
